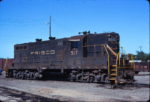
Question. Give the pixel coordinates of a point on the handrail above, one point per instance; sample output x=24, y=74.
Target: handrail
x=119, y=58
x=110, y=49
x=117, y=63
x=106, y=45
x=108, y=57
x=93, y=45
x=132, y=63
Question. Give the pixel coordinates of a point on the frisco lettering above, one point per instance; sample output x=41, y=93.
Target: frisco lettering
x=47, y=52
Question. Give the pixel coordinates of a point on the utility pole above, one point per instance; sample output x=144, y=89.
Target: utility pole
x=121, y=50
x=140, y=47
x=149, y=24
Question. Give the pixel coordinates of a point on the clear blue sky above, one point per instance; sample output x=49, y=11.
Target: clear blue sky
x=24, y=20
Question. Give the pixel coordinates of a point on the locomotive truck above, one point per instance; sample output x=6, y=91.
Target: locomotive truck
x=85, y=58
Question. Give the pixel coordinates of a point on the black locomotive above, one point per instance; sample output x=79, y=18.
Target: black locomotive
x=87, y=58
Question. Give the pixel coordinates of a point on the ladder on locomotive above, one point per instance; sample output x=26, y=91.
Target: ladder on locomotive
x=113, y=75
x=115, y=68
x=112, y=68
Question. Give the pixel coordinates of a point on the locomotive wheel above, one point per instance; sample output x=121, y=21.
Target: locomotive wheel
x=91, y=79
x=103, y=78
x=14, y=75
x=27, y=76
x=34, y=77
x=21, y=75
x=79, y=77
x=72, y=77
x=18, y=75
x=107, y=80
x=97, y=78
x=40, y=76
x=31, y=76
x=36, y=74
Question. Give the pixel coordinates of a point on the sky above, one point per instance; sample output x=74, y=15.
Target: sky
x=23, y=21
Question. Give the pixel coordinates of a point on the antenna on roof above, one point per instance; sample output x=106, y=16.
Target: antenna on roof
x=50, y=36
x=50, y=27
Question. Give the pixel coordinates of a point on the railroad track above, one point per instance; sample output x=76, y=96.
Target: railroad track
x=124, y=87
x=11, y=95
x=102, y=84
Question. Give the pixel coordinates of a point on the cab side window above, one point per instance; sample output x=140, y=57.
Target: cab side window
x=74, y=44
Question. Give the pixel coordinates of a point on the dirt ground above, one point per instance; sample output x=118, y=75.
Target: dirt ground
x=11, y=95
x=75, y=91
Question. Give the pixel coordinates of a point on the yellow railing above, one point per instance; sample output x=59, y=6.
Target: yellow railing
x=108, y=57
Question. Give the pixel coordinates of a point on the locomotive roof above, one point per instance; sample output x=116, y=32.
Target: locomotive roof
x=94, y=34
x=73, y=37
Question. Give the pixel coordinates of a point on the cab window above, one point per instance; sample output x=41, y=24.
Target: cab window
x=74, y=44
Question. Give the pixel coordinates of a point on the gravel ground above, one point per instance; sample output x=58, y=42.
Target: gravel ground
x=74, y=91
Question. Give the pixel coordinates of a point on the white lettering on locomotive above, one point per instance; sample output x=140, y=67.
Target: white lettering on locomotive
x=47, y=52
x=74, y=52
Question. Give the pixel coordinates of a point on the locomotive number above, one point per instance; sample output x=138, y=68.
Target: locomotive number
x=74, y=52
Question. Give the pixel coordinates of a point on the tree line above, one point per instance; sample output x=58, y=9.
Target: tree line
x=140, y=55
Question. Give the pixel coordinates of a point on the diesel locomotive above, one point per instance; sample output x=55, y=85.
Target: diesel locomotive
x=85, y=58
